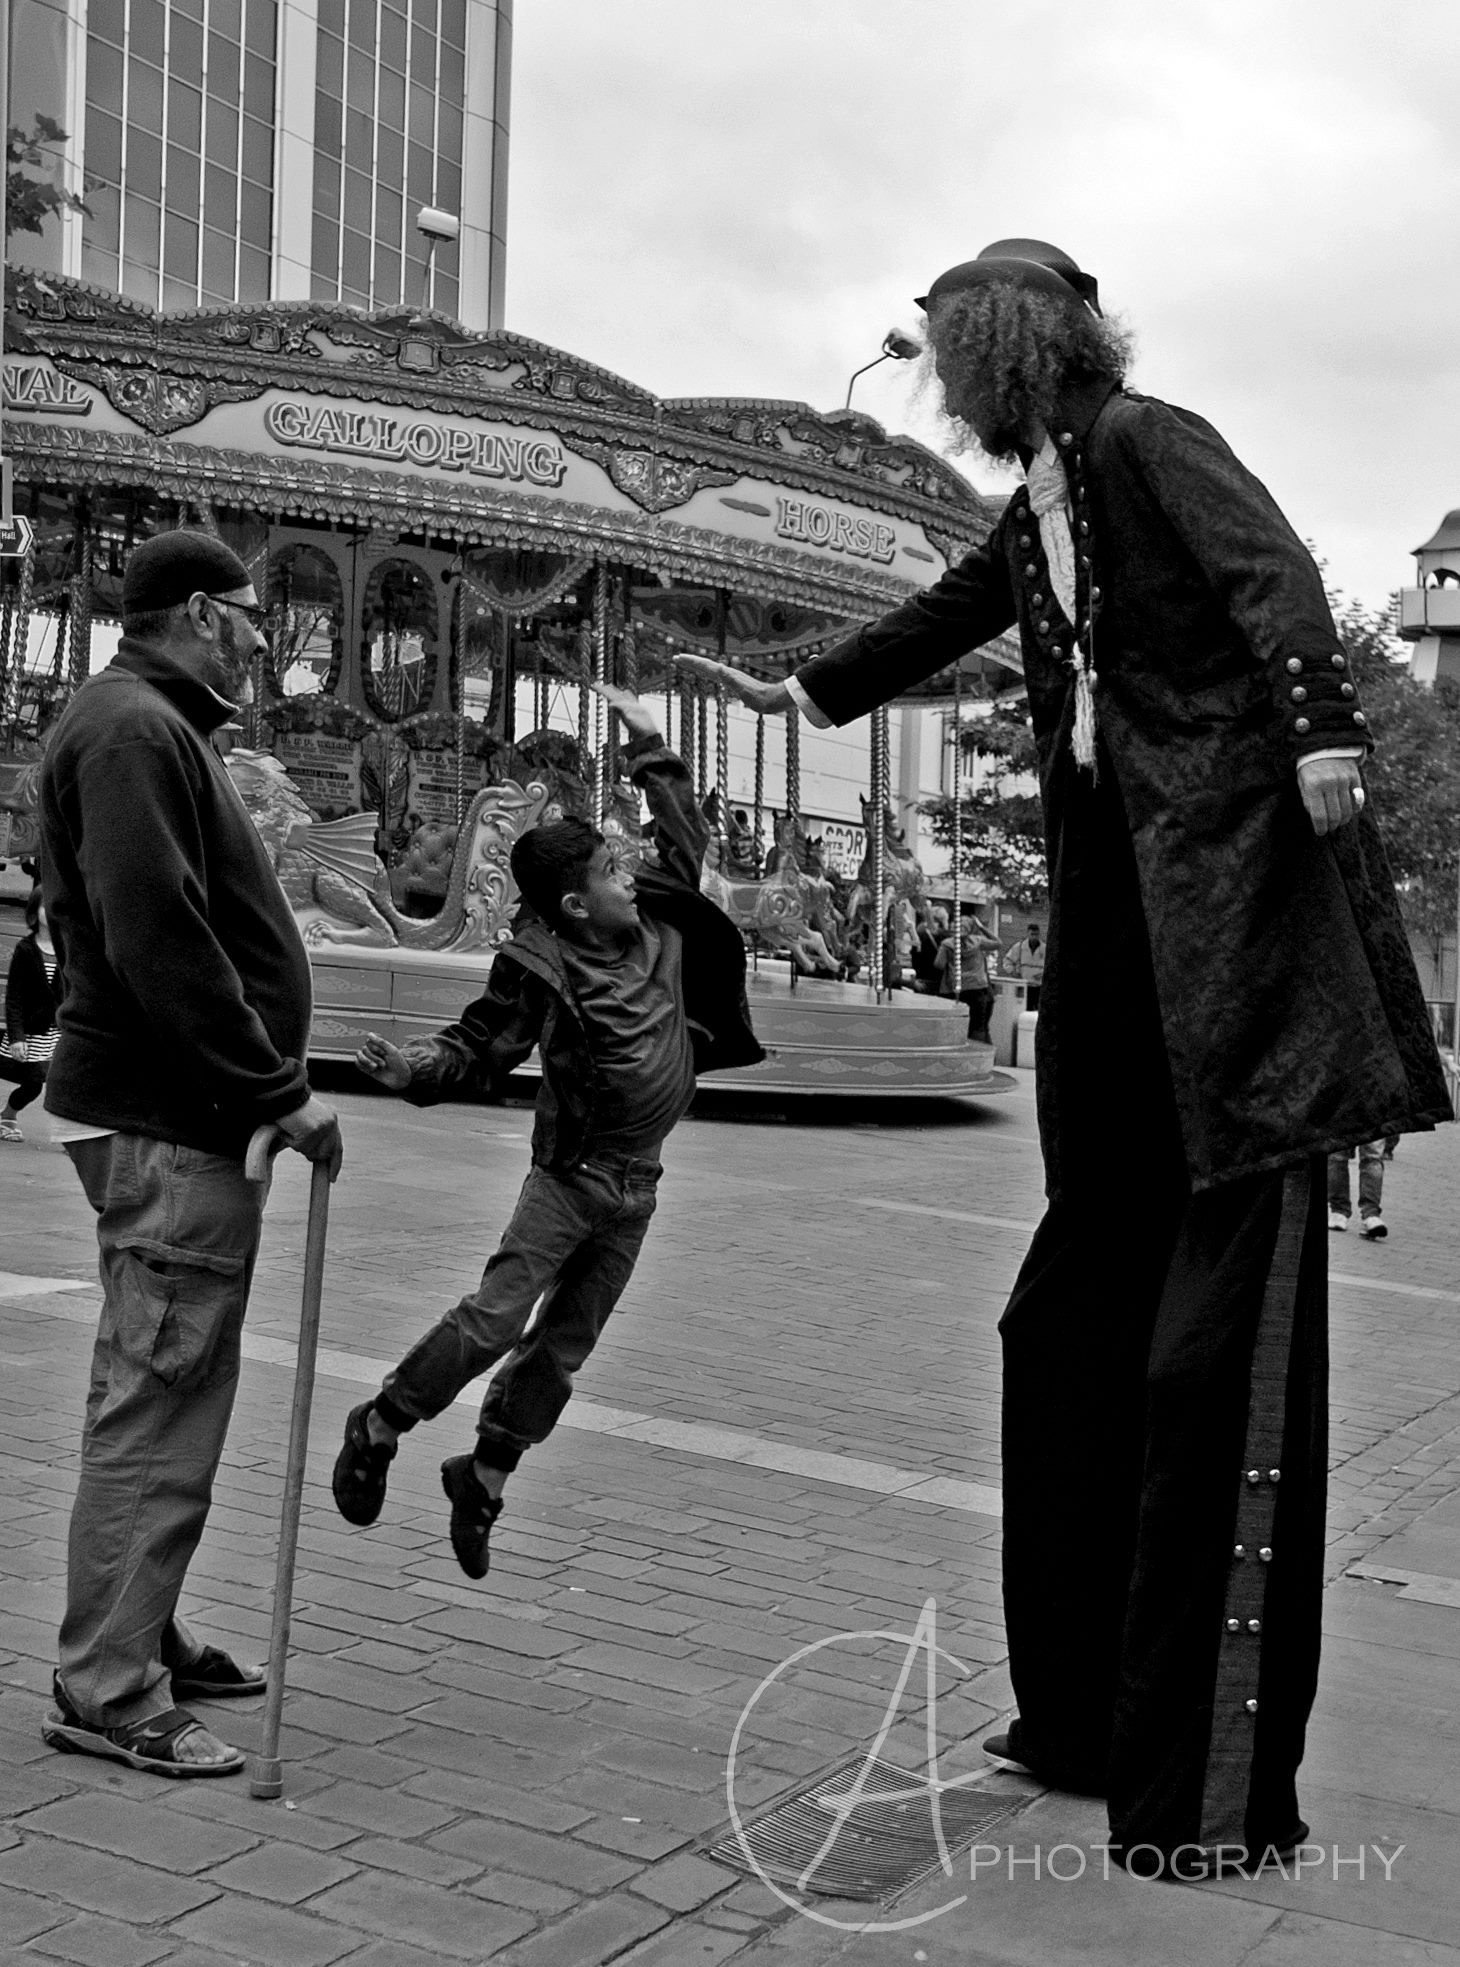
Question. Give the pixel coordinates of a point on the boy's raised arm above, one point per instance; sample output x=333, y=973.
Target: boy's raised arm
x=681, y=834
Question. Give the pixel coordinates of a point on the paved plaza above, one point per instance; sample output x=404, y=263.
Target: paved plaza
x=775, y=1493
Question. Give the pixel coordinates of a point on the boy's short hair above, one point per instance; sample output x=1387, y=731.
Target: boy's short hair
x=551, y=861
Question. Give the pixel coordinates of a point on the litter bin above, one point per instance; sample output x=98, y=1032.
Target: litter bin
x=1024, y=1029
x=1009, y=998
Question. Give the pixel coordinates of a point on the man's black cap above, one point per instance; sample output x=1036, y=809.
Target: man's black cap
x=1029, y=263
x=165, y=571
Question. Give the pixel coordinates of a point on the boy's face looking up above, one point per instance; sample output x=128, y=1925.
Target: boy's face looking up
x=603, y=910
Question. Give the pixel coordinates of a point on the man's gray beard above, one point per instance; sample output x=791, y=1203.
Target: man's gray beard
x=234, y=669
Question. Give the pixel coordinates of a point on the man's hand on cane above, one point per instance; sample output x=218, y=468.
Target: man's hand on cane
x=1332, y=790
x=313, y=1130
x=762, y=697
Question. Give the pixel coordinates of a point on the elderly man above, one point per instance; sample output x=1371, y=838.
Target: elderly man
x=1227, y=974
x=183, y=1028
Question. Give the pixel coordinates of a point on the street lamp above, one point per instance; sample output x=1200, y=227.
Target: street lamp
x=896, y=347
x=437, y=228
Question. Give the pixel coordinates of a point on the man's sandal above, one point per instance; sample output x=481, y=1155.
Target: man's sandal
x=215, y=1676
x=361, y=1468
x=473, y=1512
x=151, y=1744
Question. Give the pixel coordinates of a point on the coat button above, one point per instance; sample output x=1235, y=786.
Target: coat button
x=1254, y=1476
x=1036, y=600
x=1031, y=570
x=1254, y=1625
x=1067, y=437
x=1300, y=695
x=1084, y=525
x=1251, y=1706
x=1337, y=661
x=1295, y=666
x=1239, y=1550
x=1302, y=725
x=1274, y=1474
x=1094, y=592
x=1359, y=717
x=1043, y=625
x=1265, y=1554
x=1025, y=541
x=1234, y=1625
x=1346, y=689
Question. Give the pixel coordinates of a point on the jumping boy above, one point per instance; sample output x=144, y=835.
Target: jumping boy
x=629, y=983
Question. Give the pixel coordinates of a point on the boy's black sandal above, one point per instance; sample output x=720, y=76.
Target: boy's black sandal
x=151, y=1744
x=473, y=1512
x=360, y=1470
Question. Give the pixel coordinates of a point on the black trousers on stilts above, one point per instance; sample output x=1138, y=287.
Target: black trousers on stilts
x=1164, y=1422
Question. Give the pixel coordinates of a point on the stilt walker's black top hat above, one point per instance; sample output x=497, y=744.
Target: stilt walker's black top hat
x=1030, y=263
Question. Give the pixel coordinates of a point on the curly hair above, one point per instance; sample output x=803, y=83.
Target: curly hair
x=1004, y=356
x=552, y=860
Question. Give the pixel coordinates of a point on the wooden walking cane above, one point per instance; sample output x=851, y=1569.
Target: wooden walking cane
x=265, y=1770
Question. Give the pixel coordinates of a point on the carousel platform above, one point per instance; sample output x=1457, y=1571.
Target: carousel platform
x=819, y=1037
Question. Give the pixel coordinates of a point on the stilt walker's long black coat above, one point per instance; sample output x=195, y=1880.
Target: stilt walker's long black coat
x=1292, y=1015
x=1226, y=996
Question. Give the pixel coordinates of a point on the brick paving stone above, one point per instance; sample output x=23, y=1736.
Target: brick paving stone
x=590, y=1936
x=133, y=1829
x=284, y=1873
x=97, y=1942
x=95, y=1881
x=386, y=1812
x=686, y=1946
x=635, y=1838
x=366, y=1765
x=416, y=1861
x=486, y=1798
x=34, y=1786
x=269, y=1936
x=433, y=1916
x=232, y=1804
x=685, y=1882
x=533, y=1895
x=23, y=1915
x=560, y=1860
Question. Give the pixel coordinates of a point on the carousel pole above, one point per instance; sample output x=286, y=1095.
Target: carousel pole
x=702, y=744
x=877, y=943
x=585, y=670
x=458, y=691
x=793, y=764
x=722, y=727
x=957, y=830
x=759, y=784
x=600, y=675
x=687, y=726
x=80, y=607
x=19, y=646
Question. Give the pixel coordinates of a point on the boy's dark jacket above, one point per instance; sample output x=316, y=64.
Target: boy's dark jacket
x=529, y=1001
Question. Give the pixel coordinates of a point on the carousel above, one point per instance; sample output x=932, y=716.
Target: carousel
x=454, y=534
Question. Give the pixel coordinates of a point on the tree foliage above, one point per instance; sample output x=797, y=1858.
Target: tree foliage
x=1002, y=821
x=31, y=159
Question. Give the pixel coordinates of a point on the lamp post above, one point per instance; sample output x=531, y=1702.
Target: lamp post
x=437, y=228
x=896, y=347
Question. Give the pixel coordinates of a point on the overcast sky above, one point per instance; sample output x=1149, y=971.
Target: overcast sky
x=739, y=197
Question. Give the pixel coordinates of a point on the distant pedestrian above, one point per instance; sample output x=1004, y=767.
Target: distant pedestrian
x=32, y=991
x=184, y=1027
x=1026, y=960
x=1372, y=1157
x=973, y=986
x=628, y=984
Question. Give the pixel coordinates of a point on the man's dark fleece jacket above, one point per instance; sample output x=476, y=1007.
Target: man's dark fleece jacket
x=187, y=1006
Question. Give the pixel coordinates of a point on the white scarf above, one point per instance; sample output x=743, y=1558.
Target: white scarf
x=1049, y=499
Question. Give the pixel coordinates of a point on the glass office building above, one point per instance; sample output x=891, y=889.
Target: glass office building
x=248, y=150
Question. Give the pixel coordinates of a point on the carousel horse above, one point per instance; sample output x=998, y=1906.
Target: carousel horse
x=902, y=873
x=782, y=909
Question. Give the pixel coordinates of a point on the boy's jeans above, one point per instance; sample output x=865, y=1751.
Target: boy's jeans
x=573, y=1241
x=1371, y=1181
x=178, y=1231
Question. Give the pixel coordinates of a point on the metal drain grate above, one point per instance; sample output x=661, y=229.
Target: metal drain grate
x=883, y=1845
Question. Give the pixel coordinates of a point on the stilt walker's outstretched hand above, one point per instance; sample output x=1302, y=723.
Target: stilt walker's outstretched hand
x=764, y=697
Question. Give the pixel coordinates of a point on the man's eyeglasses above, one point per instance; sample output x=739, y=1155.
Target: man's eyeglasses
x=255, y=617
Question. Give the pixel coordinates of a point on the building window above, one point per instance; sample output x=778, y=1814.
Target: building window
x=389, y=108
x=192, y=84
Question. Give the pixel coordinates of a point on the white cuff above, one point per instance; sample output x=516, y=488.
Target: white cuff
x=810, y=711
x=1335, y=751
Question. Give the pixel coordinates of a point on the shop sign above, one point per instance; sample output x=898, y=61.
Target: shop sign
x=429, y=442
x=807, y=521
x=842, y=845
x=34, y=386
x=326, y=770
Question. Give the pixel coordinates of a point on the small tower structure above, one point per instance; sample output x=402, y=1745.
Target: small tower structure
x=1429, y=614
